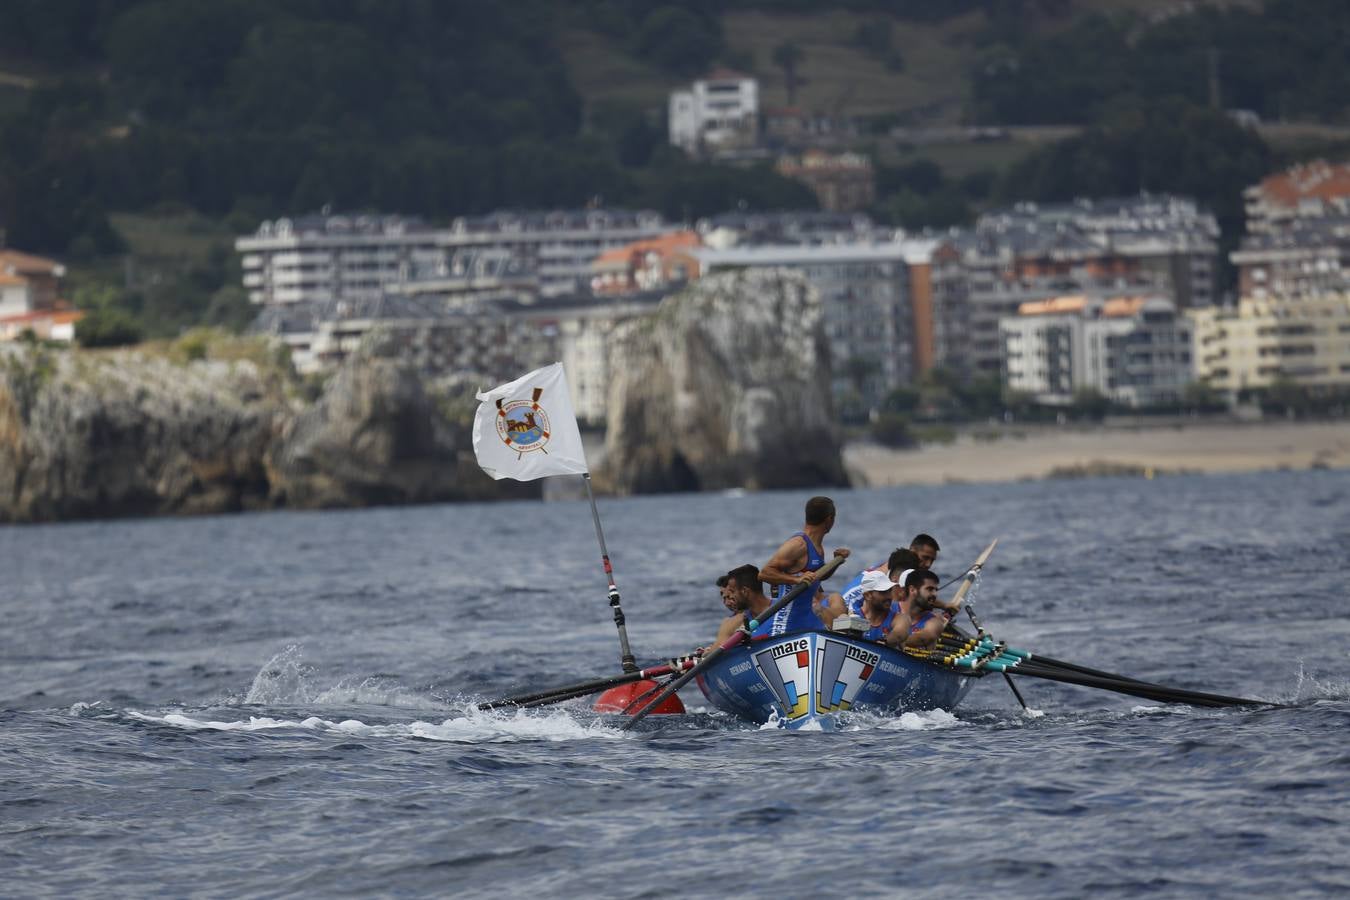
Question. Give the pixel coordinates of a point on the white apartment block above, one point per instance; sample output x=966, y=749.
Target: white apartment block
x=717, y=112
x=1305, y=341
x=1134, y=350
x=327, y=258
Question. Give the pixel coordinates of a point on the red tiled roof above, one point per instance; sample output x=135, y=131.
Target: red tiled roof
x=722, y=73
x=57, y=318
x=665, y=243
x=25, y=263
x=1317, y=179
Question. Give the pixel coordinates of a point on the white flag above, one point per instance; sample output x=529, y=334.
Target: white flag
x=527, y=429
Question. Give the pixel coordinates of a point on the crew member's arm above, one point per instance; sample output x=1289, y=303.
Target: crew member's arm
x=791, y=557
x=728, y=627
x=827, y=609
x=925, y=631
x=899, y=633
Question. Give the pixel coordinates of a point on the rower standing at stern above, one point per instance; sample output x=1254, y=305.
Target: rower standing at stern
x=797, y=562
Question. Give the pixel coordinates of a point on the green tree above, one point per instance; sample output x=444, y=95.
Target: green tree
x=676, y=39
x=891, y=430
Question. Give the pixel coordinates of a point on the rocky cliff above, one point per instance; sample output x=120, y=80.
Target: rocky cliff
x=85, y=434
x=726, y=384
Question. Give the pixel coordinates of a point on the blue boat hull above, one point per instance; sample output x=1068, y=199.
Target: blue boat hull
x=814, y=676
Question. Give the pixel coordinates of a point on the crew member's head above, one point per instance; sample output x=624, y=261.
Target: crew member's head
x=923, y=587
x=820, y=511
x=926, y=548
x=900, y=560
x=878, y=589
x=728, y=591
x=745, y=584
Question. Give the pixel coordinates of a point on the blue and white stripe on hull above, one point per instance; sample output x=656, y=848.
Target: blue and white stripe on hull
x=814, y=676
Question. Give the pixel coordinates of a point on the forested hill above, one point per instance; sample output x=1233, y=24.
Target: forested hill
x=253, y=108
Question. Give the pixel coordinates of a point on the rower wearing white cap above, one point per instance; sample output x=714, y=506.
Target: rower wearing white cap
x=848, y=601
x=887, y=621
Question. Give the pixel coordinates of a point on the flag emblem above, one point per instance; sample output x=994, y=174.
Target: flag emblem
x=522, y=424
x=511, y=423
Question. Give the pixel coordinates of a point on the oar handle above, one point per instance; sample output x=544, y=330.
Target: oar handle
x=736, y=637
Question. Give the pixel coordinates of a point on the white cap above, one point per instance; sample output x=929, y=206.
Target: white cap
x=876, y=580
x=904, y=577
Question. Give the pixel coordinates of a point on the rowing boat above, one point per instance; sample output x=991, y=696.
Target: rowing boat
x=814, y=676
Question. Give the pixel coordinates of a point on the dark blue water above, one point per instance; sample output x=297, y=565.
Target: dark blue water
x=279, y=704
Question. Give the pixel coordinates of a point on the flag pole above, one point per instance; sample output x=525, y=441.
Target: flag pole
x=629, y=663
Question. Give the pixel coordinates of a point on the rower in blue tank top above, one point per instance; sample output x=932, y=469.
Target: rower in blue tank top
x=887, y=620
x=796, y=562
x=848, y=601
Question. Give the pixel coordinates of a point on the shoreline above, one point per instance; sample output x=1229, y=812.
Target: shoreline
x=1034, y=452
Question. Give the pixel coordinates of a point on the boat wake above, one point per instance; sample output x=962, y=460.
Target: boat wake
x=472, y=727
x=287, y=680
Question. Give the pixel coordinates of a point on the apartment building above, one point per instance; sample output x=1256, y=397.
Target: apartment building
x=662, y=263
x=1260, y=342
x=1313, y=190
x=717, y=113
x=744, y=229
x=1144, y=245
x=1135, y=350
x=327, y=258
x=1300, y=258
x=877, y=305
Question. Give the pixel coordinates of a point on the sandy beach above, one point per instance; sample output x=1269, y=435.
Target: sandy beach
x=1023, y=452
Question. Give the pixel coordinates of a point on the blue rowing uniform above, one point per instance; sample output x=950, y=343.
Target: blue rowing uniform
x=879, y=632
x=927, y=617
x=797, y=615
x=852, y=592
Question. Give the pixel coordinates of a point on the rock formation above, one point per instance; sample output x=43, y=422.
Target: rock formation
x=100, y=434
x=726, y=384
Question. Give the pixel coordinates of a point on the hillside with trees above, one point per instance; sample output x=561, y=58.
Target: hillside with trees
x=224, y=112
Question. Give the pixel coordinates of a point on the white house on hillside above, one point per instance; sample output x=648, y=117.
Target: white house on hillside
x=717, y=112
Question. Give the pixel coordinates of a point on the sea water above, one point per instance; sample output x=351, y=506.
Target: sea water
x=284, y=704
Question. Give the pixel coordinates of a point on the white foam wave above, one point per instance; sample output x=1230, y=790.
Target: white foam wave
x=472, y=728
x=286, y=680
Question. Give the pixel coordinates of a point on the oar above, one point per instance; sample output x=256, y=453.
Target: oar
x=559, y=694
x=1011, y=661
x=1160, y=693
x=971, y=575
x=824, y=572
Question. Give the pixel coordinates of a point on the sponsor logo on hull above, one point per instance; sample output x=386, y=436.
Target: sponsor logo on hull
x=786, y=669
x=841, y=671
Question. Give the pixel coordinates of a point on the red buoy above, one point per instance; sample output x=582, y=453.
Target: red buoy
x=631, y=697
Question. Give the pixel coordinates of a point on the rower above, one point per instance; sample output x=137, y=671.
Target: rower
x=726, y=589
x=849, y=599
x=742, y=593
x=796, y=562
x=926, y=548
x=887, y=622
x=929, y=614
